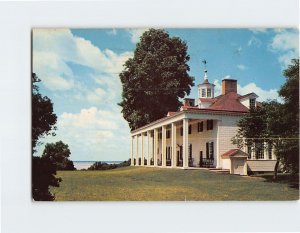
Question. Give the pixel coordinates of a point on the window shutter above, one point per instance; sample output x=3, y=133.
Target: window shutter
x=181, y=131
x=190, y=129
x=207, y=150
x=212, y=150
x=198, y=126
x=190, y=151
x=211, y=124
x=207, y=125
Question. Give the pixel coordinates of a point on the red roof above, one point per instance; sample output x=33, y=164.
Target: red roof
x=207, y=99
x=228, y=102
x=233, y=152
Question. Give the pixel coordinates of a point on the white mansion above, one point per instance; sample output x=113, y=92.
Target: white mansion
x=199, y=135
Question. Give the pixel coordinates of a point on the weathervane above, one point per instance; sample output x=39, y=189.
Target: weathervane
x=204, y=62
x=205, y=70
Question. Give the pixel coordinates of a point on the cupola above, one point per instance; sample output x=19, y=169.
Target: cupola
x=205, y=89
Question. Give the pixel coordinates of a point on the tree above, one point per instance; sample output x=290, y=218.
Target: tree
x=43, y=176
x=43, y=122
x=155, y=78
x=58, y=153
x=289, y=148
x=43, y=117
x=276, y=124
x=262, y=128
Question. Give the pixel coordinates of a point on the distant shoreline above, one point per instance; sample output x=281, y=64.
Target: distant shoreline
x=79, y=165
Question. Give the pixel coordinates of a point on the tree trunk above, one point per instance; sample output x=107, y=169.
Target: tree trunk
x=275, y=170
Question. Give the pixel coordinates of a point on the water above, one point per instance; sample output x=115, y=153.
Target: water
x=86, y=164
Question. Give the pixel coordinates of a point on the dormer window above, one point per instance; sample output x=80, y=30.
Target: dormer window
x=252, y=103
x=203, y=93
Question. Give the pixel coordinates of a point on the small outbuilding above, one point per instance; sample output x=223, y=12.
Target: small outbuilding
x=236, y=161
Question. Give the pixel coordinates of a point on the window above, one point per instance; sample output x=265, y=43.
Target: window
x=249, y=151
x=210, y=150
x=203, y=92
x=190, y=151
x=191, y=103
x=259, y=152
x=207, y=150
x=181, y=131
x=168, y=152
x=210, y=125
x=270, y=151
x=160, y=135
x=190, y=129
x=252, y=103
x=180, y=153
x=200, y=126
x=168, y=134
x=208, y=92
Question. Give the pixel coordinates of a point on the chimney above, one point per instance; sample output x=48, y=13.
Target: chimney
x=229, y=85
x=189, y=102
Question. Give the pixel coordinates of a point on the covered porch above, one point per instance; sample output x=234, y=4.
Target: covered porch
x=189, y=142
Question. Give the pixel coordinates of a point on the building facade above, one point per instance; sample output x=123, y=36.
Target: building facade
x=200, y=134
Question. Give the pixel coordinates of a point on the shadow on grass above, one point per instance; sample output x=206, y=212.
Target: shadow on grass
x=291, y=180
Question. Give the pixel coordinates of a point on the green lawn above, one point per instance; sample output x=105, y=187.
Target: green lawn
x=157, y=184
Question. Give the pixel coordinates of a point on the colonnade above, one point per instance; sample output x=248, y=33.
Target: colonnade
x=152, y=134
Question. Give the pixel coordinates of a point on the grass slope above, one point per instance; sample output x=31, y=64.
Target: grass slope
x=157, y=184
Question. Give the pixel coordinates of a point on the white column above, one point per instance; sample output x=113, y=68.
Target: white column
x=265, y=151
x=142, y=150
x=185, y=143
x=174, y=145
x=273, y=152
x=163, y=145
x=155, y=146
x=137, y=151
x=131, y=151
x=148, y=148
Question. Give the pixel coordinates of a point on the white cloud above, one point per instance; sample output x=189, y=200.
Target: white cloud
x=258, y=30
x=286, y=44
x=112, y=32
x=136, y=33
x=58, y=83
x=91, y=132
x=54, y=49
x=241, y=67
x=89, y=118
x=263, y=94
x=218, y=88
x=254, y=42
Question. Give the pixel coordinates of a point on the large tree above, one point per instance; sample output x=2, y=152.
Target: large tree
x=43, y=122
x=43, y=117
x=155, y=78
x=276, y=124
x=58, y=153
x=289, y=148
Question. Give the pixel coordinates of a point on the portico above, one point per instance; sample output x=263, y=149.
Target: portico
x=178, y=141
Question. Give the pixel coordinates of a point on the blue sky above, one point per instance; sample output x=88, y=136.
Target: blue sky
x=79, y=71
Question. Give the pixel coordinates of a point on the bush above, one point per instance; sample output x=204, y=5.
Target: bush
x=106, y=166
x=43, y=176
